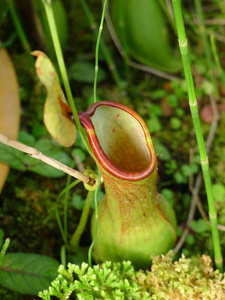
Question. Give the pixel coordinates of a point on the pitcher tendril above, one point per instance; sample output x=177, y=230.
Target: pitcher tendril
x=97, y=49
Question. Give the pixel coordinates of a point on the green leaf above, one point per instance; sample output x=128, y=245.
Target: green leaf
x=80, y=256
x=187, y=170
x=27, y=273
x=169, y=195
x=171, y=166
x=208, y=87
x=78, y=202
x=175, y=123
x=190, y=240
x=85, y=72
x=80, y=153
x=199, y=226
x=179, y=178
x=154, y=125
x=2, y=234
x=22, y=162
x=172, y=100
x=26, y=138
x=57, y=113
x=218, y=192
x=154, y=111
x=161, y=150
x=13, y=158
x=180, y=112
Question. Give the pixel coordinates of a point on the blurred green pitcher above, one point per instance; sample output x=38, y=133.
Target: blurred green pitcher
x=142, y=29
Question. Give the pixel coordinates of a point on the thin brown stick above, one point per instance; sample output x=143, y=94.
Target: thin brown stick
x=79, y=164
x=33, y=152
x=218, y=36
x=209, y=22
x=152, y=71
x=203, y=213
x=169, y=7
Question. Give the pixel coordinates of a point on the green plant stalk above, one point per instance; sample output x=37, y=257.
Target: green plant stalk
x=221, y=5
x=183, y=44
x=96, y=222
x=4, y=14
x=206, y=44
x=9, y=41
x=65, y=190
x=75, y=239
x=124, y=45
x=4, y=249
x=63, y=255
x=202, y=29
x=103, y=47
x=167, y=13
x=62, y=67
x=97, y=49
x=217, y=60
x=20, y=31
x=65, y=205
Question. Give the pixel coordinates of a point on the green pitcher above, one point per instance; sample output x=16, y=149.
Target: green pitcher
x=134, y=221
x=142, y=30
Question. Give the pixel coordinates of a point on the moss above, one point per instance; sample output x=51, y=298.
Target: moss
x=186, y=279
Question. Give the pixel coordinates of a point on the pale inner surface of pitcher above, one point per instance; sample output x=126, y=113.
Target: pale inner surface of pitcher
x=121, y=138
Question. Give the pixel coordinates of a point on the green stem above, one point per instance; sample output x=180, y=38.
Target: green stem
x=183, y=44
x=96, y=222
x=65, y=205
x=206, y=44
x=4, y=249
x=75, y=239
x=221, y=5
x=217, y=60
x=202, y=30
x=167, y=13
x=123, y=38
x=103, y=47
x=97, y=49
x=63, y=255
x=62, y=67
x=9, y=41
x=65, y=190
x=4, y=13
x=20, y=31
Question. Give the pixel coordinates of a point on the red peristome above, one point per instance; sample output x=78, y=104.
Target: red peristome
x=99, y=153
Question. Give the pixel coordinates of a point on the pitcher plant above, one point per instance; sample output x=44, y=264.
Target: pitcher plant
x=134, y=221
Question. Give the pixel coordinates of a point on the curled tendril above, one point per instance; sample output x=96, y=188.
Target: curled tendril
x=93, y=175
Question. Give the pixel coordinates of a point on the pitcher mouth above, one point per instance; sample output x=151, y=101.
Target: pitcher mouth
x=120, y=140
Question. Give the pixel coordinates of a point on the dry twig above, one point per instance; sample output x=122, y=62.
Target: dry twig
x=46, y=159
